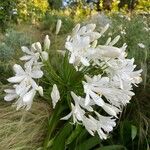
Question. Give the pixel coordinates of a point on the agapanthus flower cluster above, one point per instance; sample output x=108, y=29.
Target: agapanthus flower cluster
x=109, y=91
x=25, y=85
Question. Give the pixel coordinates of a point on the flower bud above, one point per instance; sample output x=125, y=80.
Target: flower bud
x=46, y=42
x=40, y=90
x=58, y=26
x=55, y=95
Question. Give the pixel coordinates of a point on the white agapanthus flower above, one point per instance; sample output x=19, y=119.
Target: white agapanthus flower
x=102, y=86
x=83, y=48
x=122, y=72
x=79, y=50
x=25, y=86
x=34, y=53
x=82, y=43
x=77, y=113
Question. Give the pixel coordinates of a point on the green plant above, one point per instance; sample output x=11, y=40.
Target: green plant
x=49, y=23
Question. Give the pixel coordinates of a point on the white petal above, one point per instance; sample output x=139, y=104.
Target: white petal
x=25, y=49
x=10, y=97
x=109, y=110
x=10, y=91
x=72, y=59
x=16, y=79
x=37, y=74
x=26, y=57
x=28, y=97
x=18, y=69
x=67, y=117
x=85, y=61
x=87, y=99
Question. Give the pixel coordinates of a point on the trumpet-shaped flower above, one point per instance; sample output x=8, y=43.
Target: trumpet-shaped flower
x=98, y=87
x=77, y=112
x=79, y=50
x=122, y=72
x=25, y=87
x=34, y=54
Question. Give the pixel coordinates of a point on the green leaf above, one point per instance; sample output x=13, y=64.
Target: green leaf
x=74, y=134
x=59, y=141
x=133, y=131
x=89, y=143
x=113, y=147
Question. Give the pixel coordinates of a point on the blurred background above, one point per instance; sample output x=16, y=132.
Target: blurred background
x=25, y=21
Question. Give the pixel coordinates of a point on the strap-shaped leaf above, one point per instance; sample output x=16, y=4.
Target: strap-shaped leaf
x=89, y=144
x=59, y=141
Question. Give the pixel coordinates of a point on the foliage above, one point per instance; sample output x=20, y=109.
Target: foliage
x=7, y=12
x=31, y=10
x=10, y=50
x=50, y=20
x=55, y=4
x=132, y=133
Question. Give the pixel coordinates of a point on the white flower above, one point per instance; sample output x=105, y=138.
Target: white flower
x=28, y=98
x=58, y=26
x=79, y=50
x=86, y=31
x=47, y=43
x=55, y=95
x=77, y=112
x=90, y=125
x=25, y=87
x=141, y=45
x=81, y=102
x=122, y=72
x=108, y=51
x=34, y=54
x=104, y=125
x=98, y=86
x=25, y=101
x=31, y=57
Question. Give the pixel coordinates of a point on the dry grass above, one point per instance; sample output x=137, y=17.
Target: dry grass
x=22, y=130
